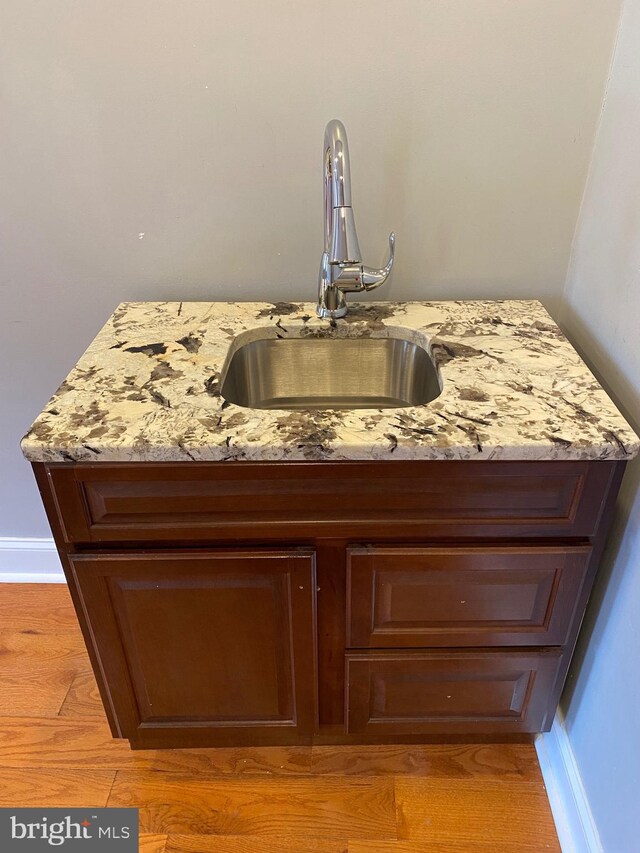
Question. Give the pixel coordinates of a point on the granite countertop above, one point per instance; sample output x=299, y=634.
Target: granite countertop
x=148, y=389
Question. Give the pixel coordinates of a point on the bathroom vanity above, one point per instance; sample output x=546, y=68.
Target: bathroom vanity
x=358, y=575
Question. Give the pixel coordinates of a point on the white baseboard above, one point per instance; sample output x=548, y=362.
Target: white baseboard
x=29, y=561
x=574, y=821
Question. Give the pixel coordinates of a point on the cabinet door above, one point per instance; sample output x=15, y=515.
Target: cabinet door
x=204, y=649
x=404, y=597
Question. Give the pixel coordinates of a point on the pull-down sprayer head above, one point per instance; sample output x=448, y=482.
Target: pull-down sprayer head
x=340, y=237
x=341, y=268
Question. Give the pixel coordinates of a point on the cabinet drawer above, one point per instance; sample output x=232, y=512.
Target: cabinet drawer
x=449, y=692
x=466, y=596
x=420, y=500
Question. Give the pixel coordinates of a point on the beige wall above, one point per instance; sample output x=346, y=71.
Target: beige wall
x=602, y=314
x=199, y=124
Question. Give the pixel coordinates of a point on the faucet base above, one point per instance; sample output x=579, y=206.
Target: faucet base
x=332, y=314
x=331, y=300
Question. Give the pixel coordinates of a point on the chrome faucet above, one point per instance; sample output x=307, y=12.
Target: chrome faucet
x=341, y=268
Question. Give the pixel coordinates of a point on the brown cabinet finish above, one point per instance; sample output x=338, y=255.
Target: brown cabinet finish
x=216, y=647
x=139, y=502
x=281, y=603
x=466, y=596
x=459, y=692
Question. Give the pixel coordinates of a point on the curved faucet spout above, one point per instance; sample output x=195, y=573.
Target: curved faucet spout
x=337, y=166
x=341, y=267
x=340, y=237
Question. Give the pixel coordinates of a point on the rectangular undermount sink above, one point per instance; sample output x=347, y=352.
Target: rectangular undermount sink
x=330, y=373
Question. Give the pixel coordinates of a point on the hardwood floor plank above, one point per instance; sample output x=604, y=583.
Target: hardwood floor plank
x=41, y=648
x=504, y=761
x=152, y=843
x=471, y=810
x=44, y=608
x=34, y=689
x=83, y=698
x=26, y=648
x=55, y=788
x=445, y=847
x=64, y=742
x=329, y=807
x=252, y=844
x=60, y=743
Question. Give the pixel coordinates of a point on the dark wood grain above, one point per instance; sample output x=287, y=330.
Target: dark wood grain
x=44, y=481
x=224, y=500
x=331, y=597
x=218, y=644
x=416, y=597
x=485, y=555
x=599, y=541
x=418, y=692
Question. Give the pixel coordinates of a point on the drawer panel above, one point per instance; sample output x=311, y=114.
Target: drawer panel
x=421, y=500
x=465, y=596
x=449, y=692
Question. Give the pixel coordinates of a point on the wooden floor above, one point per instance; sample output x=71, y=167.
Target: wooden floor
x=56, y=750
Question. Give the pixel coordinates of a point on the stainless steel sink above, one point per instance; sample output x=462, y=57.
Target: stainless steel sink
x=330, y=373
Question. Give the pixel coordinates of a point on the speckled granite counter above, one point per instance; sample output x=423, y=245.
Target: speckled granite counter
x=148, y=389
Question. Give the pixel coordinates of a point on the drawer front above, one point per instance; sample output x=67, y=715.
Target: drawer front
x=402, y=597
x=420, y=500
x=449, y=692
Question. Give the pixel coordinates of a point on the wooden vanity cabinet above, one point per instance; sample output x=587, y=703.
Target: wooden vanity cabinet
x=241, y=603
